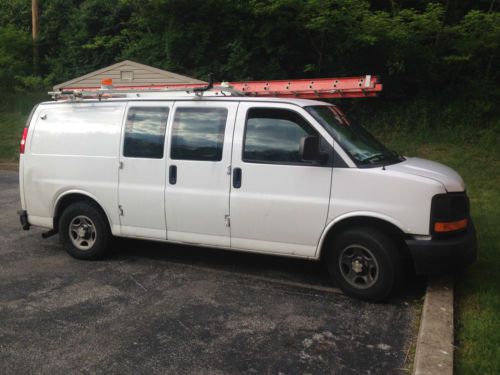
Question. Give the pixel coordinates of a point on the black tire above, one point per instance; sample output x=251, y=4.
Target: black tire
x=365, y=263
x=90, y=234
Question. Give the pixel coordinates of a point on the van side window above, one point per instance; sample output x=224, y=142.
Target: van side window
x=198, y=134
x=273, y=136
x=145, y=132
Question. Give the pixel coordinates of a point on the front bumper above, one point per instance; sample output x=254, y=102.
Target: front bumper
x=444, y=254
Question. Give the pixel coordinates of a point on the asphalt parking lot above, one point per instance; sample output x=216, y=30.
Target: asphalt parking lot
x=157, y=308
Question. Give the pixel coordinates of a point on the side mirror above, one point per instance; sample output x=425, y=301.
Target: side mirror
x=310, y=150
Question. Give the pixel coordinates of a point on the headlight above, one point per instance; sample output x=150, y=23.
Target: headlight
x=449, y=213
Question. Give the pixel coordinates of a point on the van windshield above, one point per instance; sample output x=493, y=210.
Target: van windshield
x=362, y=147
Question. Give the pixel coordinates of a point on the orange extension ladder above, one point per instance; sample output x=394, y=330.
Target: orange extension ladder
x=319, y=88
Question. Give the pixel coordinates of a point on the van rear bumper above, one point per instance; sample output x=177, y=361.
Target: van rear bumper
x=23, y=218
x=444, y=254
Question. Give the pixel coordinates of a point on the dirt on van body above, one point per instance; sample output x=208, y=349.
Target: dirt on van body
x=158, y=308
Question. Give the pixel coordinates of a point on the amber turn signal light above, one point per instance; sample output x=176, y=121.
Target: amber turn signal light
x=450, y=226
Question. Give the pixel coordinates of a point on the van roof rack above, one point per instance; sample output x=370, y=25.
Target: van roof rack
x=319, y=88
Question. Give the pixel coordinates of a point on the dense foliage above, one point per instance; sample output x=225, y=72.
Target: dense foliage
x=419, y=47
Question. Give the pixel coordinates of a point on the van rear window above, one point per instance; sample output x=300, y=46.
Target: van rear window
x=145, y=132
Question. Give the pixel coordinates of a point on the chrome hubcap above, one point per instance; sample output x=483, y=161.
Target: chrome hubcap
x=358, y=266
x=82, y=232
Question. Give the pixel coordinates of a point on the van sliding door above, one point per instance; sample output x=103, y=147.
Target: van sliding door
x=142, y=170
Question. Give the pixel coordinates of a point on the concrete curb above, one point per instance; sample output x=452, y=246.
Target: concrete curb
x=434, y=352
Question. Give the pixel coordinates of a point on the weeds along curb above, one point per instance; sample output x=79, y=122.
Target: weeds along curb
x=434, y=352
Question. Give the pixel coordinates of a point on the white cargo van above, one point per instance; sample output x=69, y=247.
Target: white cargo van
x=288, y=177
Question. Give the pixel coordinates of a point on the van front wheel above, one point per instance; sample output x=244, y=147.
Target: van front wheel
x=83, y=231
x=365, y=264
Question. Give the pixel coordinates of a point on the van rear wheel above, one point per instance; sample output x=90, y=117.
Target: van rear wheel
x=84, y=231
x=365, y=263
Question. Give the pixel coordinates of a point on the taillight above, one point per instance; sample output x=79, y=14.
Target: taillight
x=23, y=141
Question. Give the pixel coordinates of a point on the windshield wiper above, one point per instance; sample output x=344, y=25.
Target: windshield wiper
x=395, y=154
x=382, y=157
x=374, y=158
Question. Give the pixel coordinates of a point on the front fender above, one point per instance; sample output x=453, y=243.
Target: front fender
x=350, y=215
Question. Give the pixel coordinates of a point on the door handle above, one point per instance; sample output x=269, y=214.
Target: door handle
x=237, y=178
x=172, y=174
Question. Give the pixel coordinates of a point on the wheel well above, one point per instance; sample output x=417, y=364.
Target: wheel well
x=69, y=199
x=364, y=221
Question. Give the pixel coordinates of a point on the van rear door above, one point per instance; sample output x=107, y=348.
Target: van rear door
x=142, y=170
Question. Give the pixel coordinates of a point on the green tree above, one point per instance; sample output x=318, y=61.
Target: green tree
x=430, y=47
x=15, y=47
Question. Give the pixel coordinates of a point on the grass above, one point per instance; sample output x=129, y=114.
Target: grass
x=464, y=140
x=14, y=111
x=11, y=125
x=478, y=289
x=472, y=150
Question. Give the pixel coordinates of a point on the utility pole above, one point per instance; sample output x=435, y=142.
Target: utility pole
x=34, y=33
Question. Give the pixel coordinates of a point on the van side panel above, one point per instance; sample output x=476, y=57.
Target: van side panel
x=73, y=147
